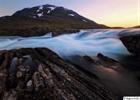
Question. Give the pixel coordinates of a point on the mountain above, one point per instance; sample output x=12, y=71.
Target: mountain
x=42, y=19
x=50, y=12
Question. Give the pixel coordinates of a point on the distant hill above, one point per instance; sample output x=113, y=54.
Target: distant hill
x=42, y=19
x=117, y=27
x=136, y=26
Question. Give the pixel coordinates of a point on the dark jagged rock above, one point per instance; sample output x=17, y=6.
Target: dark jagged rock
x=39, y=74
x=132, y=43
x=115, y=75
x=103, y=61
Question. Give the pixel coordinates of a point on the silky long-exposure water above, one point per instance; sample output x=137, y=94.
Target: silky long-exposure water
x=86, y=42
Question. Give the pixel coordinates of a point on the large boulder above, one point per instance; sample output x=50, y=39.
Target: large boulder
x=132, y=43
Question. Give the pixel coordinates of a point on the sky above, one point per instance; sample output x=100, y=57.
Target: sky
x=114, y=13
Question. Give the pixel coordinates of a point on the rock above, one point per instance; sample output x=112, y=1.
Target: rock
x=115, y=75
x=11, y=95
x=102, y=60
x=45, y=76
x=132, y=43
x=29, y=83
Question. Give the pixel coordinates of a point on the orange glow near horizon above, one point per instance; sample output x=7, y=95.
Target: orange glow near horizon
x=114, y=13
x=122, y=19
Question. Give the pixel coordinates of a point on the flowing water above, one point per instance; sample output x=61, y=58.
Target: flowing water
x=86, y=42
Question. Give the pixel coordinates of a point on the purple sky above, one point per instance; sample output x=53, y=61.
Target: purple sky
x=110, y=12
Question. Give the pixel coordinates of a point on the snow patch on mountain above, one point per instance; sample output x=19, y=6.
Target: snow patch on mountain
x=52, y=8
x=84, y=20
x=48, y=11
x=71, y=15
x=40, y=9
x=40, y=14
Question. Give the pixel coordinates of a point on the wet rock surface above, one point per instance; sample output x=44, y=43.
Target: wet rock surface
x=132, y=43
x=120, y=77
x=39, y=74
x=131, y=40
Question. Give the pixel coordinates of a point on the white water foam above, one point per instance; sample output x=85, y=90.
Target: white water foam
x=86, y=42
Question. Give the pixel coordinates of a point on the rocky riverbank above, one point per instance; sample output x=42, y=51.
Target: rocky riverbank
x=39, y=74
